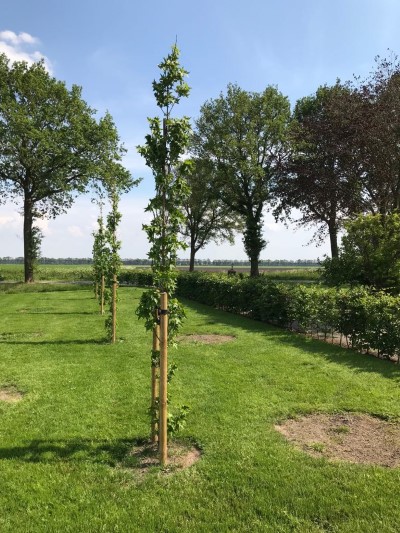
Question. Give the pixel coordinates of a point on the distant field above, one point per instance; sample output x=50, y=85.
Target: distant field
x=15, y=272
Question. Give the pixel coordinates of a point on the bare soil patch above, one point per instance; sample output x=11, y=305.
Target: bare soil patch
x=356, y=438
x=181, y=455
x=205, y=339
x=10, y=395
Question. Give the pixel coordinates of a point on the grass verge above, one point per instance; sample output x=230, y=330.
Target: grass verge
x=64, y=448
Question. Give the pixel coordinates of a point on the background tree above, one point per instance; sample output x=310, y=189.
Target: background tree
x=207, y=218
x=166, y=143
x=369, y=253
x=51, y=145
x=375, y=113
x=243, y=134
x=320, y=177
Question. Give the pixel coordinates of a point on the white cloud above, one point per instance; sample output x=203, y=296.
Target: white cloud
x=19, y=38
x=75, y=231
x=43, y=224
x=9, y=219
x=18, y=47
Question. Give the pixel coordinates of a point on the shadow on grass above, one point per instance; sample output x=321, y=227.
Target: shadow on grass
x=57, y=343
x=92, y=313
x=318, y=348
x=336, y=354
x=109, y=452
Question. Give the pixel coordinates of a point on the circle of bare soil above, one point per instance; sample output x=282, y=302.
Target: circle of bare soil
x=10, y=395
x=208, y=338
x=181, y=455
x=356, y=438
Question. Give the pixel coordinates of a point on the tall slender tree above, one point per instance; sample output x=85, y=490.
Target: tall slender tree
x=166, y=143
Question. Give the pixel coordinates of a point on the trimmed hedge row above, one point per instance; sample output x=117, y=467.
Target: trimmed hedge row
x=365, y=321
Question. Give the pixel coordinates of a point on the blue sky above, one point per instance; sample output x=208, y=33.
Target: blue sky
x=112, y=50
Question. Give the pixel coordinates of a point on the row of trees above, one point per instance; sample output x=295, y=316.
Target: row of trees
x=335, y=156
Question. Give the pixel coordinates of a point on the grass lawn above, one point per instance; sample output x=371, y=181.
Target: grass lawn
x=64, y=463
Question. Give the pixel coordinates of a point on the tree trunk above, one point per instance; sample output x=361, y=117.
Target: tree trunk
x=192, y=255
x=28, y=238
x=155, y=374
x=254, y=271
x=334, y=241
x=102, y=289
x=253, y=241
x=114, y=309
x=163, y=425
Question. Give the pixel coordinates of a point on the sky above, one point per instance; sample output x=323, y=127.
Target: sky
x=112, y=49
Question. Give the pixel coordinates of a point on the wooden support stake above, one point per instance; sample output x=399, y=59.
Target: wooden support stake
x=114, y=309
x=154, y=380
x=102, y=288
x=162, y=445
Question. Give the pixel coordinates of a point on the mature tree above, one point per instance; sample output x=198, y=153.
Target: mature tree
x=320, y=178
x=51, y=145
x=243, y=134
x=207, y=218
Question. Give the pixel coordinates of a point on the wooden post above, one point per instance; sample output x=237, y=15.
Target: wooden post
x=114, y=309
x=154, y=380
x=162, y=445
x=102, y=288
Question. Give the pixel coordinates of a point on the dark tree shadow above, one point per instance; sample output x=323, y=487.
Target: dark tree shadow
x=109, y=452
x=57, y=343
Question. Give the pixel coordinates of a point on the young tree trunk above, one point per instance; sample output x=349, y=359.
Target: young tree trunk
x=28, y=238
x=155, y=368
x=163, y=427
x=102, y=289
x=114, y=310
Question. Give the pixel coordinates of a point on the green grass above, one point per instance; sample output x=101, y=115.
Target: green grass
x=84, y=272
x=63, y=448
x=15, y=272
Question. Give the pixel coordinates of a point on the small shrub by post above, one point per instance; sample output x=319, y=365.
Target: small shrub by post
x=100, y=261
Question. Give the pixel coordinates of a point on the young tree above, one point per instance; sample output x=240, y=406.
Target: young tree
x=51, y=145
x=166, y=143
x=243, y=134
x=207, y=218
x=106, y=246
x=100, y=258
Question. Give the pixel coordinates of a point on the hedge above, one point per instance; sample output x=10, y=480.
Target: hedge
x=364, y=320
